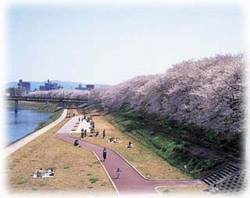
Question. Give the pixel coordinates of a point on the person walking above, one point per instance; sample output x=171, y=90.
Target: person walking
x=82, y=133
x=104, y=154
x=103, y=134
x=118, y=173
x=85, y=133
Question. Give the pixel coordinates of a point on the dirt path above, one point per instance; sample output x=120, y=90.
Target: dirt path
x=130, y=181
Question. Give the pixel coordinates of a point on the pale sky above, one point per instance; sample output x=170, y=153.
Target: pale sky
x=111, y=44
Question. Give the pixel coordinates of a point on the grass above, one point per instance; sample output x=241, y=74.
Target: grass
x=22, y=182
x=191, y=190
x=143, y=158
x=171, y=141
x=38, y=106
x=98, y=106
x=93, y=180
x=53, y=153
x=42, y=184
x=52, y=118
x=97, y=162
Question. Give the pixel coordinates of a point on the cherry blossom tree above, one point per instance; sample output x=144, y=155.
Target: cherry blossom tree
x=208, y=93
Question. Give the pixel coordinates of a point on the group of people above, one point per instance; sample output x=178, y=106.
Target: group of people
x=43, y=173
x=111, y=140
x=80, y=119
x=83, y=133
x=92, y=126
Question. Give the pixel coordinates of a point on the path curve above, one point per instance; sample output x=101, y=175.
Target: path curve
x=130, y=181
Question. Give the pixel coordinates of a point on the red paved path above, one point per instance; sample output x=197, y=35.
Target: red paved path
x=130, y=181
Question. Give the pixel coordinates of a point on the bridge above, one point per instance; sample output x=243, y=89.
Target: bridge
x=62, y=100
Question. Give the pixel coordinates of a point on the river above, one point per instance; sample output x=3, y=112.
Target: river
x=20, y=124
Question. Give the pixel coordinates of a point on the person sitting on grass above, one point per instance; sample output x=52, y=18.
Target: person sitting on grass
x=130, y=145
x=114, y=140
x=76, y=143
x=97, y=134
x=49, y=173
x=39, y=173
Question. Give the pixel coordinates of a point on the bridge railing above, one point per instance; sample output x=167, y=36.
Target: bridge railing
x=36, y=98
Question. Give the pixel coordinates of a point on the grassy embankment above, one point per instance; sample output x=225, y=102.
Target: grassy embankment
x=188, y=190
x=38, y=106
x=177, y=144
x=143, y=158
x=76, y=169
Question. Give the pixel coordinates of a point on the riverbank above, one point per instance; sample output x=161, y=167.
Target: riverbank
x=37, y=106
x=76, y=170
x=31, y=136
x=54, y=116
x=24, y=123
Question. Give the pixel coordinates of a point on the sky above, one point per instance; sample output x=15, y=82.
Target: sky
x=110, y=44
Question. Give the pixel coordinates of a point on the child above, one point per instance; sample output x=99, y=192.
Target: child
x=130, y=145
x=118, y=173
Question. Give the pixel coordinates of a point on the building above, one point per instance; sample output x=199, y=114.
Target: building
x=24, y=87
x=80, y=87
x=87, y=87
x=49, y=86
x=11, y=92
x=90, y=87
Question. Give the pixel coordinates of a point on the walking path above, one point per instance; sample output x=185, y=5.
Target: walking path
x=20, y=143
x=130, y=181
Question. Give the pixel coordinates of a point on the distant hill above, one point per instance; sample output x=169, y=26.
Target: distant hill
x=64, y=84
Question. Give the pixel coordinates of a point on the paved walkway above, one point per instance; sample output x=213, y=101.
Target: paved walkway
x=81, y=125
x=20, y=143
x=130, y=181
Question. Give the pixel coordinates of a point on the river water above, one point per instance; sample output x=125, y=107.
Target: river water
x=21, y=123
